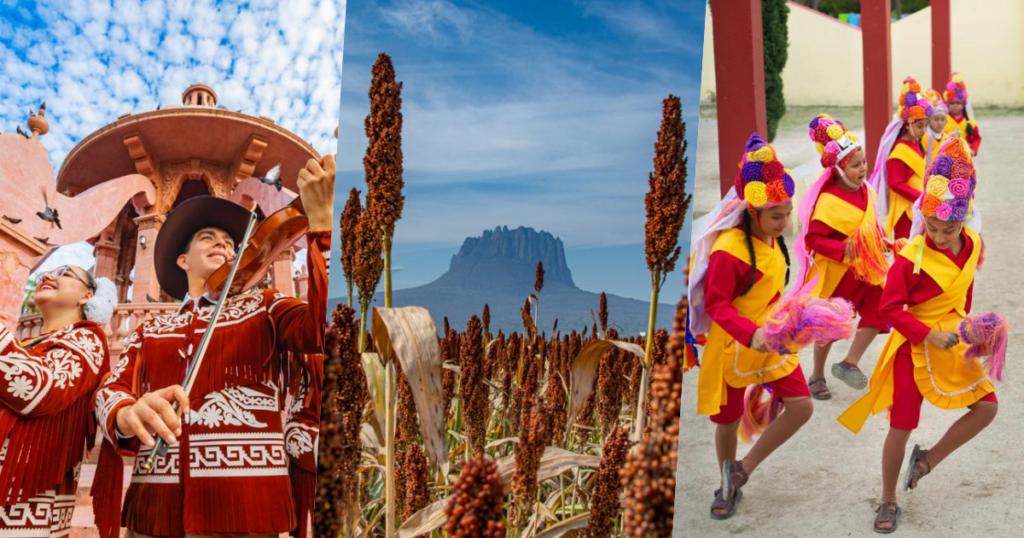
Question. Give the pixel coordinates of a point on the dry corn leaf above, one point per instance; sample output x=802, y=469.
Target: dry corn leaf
x=374, y=371
x=554, y=462
x=369, y=439
x=584, y=370
x=498, y=442
x=410, y=332
x=575, y=523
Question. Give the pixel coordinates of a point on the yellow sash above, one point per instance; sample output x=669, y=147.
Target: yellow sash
x=845, y=218
x=899, y=205
x=942, y=376
x=953, y=125
x=728, y=361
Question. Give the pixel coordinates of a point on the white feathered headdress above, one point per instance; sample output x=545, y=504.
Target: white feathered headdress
x=101, y=307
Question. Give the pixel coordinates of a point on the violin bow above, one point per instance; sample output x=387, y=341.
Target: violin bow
x=161, y=448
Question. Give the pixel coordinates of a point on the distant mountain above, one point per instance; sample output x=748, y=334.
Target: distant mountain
x=498, y=268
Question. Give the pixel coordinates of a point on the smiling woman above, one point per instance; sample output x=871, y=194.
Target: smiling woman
x=46, y=407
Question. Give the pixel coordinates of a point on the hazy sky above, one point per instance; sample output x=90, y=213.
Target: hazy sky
x=533, y=113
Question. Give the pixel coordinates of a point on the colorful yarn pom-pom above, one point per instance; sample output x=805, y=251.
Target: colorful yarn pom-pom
x=868, y=257
x=987, y=335
x=799, y=320
x=760, y=407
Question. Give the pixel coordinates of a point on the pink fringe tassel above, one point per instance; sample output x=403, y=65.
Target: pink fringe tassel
x=758, y=412
x=988, y=335
x=799, y=320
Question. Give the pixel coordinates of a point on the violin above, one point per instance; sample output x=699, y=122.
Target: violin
x=274, y=235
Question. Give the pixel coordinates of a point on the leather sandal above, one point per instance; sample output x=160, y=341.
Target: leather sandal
x=914, y=471
x=729, y=505
x=819, y=390
x=851, y=375
x=888, y=512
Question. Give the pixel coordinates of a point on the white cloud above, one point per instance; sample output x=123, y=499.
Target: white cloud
x=438, y=20
x=94, y=61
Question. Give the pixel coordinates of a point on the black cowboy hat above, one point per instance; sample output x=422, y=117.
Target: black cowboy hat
x=182, y=223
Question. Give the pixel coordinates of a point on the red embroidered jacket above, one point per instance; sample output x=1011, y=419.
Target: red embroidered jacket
x=46, y=410
x=228, y=473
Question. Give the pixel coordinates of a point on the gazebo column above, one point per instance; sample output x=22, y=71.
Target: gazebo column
x=875, y=21
x=302, y=283
x=281, y=272
x=145, y=282
x=106, y=260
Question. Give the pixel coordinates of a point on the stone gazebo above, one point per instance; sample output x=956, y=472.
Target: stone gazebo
x=159, y=159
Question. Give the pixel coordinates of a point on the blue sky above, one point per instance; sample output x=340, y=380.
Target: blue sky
x=541, y=114
x=94, y=61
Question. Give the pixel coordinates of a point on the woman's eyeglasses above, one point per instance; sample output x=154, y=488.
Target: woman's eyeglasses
x=65, y=270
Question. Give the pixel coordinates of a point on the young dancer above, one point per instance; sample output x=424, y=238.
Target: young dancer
x=960, y=113
x=46, y=420
x=927, y=294
x=740, y=267
x=936, y=126
x=837, y=205
x=899, y=168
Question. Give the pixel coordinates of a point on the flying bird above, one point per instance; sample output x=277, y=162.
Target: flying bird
x=273, y=178
x=23, y=133
x=12, y=220
x=50, y=215
x=43, y=240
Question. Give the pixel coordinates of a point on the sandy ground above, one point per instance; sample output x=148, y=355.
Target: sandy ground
x=826, y=481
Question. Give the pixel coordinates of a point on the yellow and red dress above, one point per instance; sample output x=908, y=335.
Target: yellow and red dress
x=837, y=214
x=960, y=124
x=911, y=370
x=905, y=176
x=729, y=365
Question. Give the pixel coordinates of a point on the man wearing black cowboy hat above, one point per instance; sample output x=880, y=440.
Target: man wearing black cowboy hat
x=226, y=473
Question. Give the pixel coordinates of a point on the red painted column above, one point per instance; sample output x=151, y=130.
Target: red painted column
x=875, y=21
x=942, y=63
x=739, y=80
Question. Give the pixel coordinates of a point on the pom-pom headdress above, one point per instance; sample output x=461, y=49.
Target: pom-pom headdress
x=833, y=142
x=935, y=99
x=101, y=307
x=762, y=181
x=948, y=193
x=956, y=89
x=913, y=104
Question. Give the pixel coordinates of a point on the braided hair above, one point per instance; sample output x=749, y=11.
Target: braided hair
x=970, y=128
x=747, y=232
